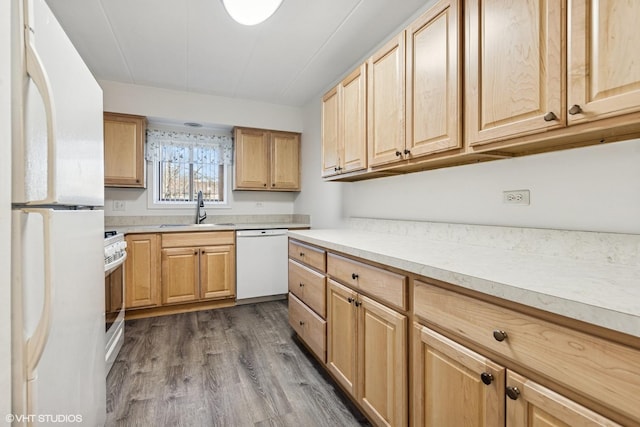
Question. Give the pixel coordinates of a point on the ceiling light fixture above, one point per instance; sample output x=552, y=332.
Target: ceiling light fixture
x=251, y=12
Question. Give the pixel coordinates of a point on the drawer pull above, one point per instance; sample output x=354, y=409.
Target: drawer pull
x=350, y=300
x=550, y=116
x=486, y=378
x=354, y=276
x=513, y=392
x=575, y=109
x=301, y=323
x=302, y=285
x=499, y=335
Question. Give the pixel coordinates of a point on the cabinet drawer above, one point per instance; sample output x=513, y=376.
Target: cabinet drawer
x=309, y=255
x=309, y=286
x=606, y=372
x=385, y=285
x=198, y=238
x=309, y=326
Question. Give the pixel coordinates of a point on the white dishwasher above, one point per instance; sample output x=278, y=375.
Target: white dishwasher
x=261, y=264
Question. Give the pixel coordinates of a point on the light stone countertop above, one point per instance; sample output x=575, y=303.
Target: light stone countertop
x=173, y=228
x=599, y=293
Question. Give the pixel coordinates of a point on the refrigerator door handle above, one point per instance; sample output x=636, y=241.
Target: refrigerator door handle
x=37, y=342
x=37, y=72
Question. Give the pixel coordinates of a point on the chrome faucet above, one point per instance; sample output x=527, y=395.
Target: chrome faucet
x=201, y=215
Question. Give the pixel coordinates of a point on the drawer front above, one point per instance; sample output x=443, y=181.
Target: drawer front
x=309, y=286
x=198, y=238
x=309, y=326
x=382, y=284
x=606, y=372
x=309, y=255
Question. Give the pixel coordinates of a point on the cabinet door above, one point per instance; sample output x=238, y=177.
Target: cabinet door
x=514, y=68
x=382, y=369
x=142, y=271
x=251, y=159
x=353, y=120
x=285, y=161
x=449, y=386
x=179, y=275
x=330, y=158
x=434, y=80
x=604, y=59
x=217, y=272
x=124, y=137
x=341, y=335
x=385, y=102
x=532, y=405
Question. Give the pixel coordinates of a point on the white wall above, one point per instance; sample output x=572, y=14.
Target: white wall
x=592, y=188
x=214, y=111
x=192, y=107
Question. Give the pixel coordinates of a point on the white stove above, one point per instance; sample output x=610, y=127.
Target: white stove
x=115, y=254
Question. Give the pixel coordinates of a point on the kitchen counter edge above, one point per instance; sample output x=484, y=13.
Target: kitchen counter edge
x=384, y=249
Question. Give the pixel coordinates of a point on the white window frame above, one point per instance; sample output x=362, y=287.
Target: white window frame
x=153, y=170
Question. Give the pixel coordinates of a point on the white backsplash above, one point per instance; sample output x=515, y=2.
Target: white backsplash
x=144, y=220
x=595, y=247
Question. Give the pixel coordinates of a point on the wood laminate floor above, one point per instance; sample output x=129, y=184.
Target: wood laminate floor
x=237, y=366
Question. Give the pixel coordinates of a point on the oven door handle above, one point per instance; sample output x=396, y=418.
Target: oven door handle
x=109, y=268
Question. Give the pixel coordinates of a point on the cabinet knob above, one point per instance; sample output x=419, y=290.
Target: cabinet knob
x=575, y=109
x=265, y=184
x=137, y=181
x=195, y=252
x=302, y=285
x=354, y=276
x=358, y=303
x=202, y=252
x=513, y=392
x=486, y=378
x=398, y=153
x=273, y=185
x=550, y=116
x=350, y=300
x=301, y=253
x=499, y=335
x=407, y=152
x=335, y=169
x=301, y=323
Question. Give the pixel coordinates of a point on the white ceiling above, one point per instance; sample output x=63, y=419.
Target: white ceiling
x=193, y=45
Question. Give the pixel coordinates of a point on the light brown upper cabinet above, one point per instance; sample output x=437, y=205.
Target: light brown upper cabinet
x=517, y=57
x=386, y=103
x=434, y=81
x=266, y=160
x=124, y=137
x=604, y=59
x=514, y=68
x=344, y=125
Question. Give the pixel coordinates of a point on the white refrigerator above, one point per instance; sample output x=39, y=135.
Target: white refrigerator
x=57, y=226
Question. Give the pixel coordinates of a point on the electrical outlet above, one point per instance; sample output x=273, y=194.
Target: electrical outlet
x=119, y=205
x=516, y=197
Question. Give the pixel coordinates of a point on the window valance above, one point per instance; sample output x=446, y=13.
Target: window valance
x=184, y=147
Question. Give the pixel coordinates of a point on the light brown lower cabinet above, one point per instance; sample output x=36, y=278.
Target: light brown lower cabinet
x=366, y=353
x=455, y=386
x=142, y=271
x=197, y=273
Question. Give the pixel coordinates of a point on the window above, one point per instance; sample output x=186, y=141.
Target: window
x=186, y=163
